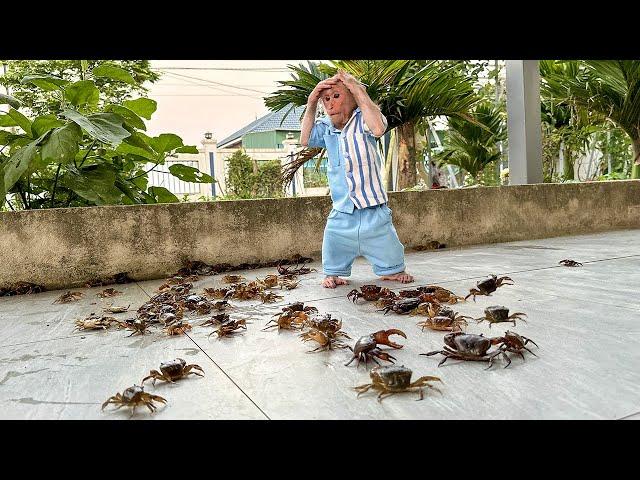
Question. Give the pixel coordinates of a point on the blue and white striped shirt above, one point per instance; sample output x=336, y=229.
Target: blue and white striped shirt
x=356, y=152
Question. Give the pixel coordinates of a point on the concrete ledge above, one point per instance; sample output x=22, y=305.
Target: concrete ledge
x=60, y=248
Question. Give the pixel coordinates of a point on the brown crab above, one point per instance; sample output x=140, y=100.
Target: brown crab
x=570, y=263
x=292, y=320
x=230, y=327
x=108, y=292
x=297, y=270
x=498, y=314
x=270, y=297
x=325, y=331
x=488, y=286
x=133, y=397
x=69, y=297
x=94, y=322
x=514, y=343
x=392, y=379
x=114, y=309
x=233, y=278
x=470, y=347
x=443, y=318
x=219, y=293
x=172, y=371
x=216, y=319
x=432, y=293
x=402, y=306
x=370, y=293
x=366, y=348
x=177, y=328
x=138, y=325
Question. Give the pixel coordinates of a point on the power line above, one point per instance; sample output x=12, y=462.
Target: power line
x=218, y=88
x=217, y=83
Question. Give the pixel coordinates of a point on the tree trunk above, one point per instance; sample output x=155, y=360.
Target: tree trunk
x=635, y=168
x=406, y=156
x=388, y=165
x=567, y=167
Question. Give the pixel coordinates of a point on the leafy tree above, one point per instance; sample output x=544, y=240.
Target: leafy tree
x=248, y=178
x=131, y=75
x=85, y=151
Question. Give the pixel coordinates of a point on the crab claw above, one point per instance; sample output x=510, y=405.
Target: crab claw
x=382, y=337
x=385, y=356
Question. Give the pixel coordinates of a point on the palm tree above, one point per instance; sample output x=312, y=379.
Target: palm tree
x=405, y=90
x=471, y=146
x=603, y=88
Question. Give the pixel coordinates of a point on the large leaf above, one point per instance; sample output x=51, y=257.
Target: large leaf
x=129, y=115
x=113, y=73
x=106, y=127
x=163, y=195
x=142, y=106
x=95, y=184
x=7, y=137
x=23, y=122
x=125, y=148
x=45, y=82
x=82, y=93
x=44, y=123
x=9, y=100
x=17, y=164
x=165, y=142
x=189, y=174
x=187, y=149
x=62, y=144
x=7, y=121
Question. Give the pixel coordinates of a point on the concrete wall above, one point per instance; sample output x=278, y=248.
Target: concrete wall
x=66, y=247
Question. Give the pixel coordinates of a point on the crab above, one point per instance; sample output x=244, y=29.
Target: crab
x=69, y=297
x=366, y=348
x=177, y=328
x=216, y=319
x=133, y=397
x=512, y=342
x=270, y=281
x=370, y=293
x=138, y=325
x=230, y=327
x=499, y=314
x=402, y=306
x=221, y=305
x=108, y=292
x=392, y=379
x=437, y=293
x=441, y=318
x=219, y=293
x=288, y=284
x=488, y=286
x=299, y=307
x=325, y=331
x=233, y=278
x=297, y=270
x=288, y=320
x=94, y=322
x=270, y=297
x=173, y=370
x=112, y=309
x=21, y=288
x=181, y=288
x=569, y=263
x=471, y=347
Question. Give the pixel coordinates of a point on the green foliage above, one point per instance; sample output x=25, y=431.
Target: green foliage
x=84, y=150
x=116, y=80
x=474, y=146
x=247, y=178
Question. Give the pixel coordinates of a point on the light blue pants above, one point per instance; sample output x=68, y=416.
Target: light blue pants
x=367, y=232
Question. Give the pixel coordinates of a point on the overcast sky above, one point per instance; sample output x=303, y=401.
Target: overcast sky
x=220, y=96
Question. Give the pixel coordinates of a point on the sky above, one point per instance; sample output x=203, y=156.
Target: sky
x=217, y=96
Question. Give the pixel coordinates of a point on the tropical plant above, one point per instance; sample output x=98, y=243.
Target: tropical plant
x=601, y=89
x=248, y=178
x=405, y=90
x=83, y=154
x=471, y=146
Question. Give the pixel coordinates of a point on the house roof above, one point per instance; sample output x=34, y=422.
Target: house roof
x=270, y=122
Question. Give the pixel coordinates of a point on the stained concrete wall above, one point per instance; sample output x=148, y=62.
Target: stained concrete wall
x=60, y=248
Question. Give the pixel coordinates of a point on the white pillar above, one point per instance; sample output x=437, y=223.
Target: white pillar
x=208, y=161
x=297, y=185
x=523, y=122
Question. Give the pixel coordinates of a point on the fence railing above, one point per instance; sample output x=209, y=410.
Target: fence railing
x=160, y=177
